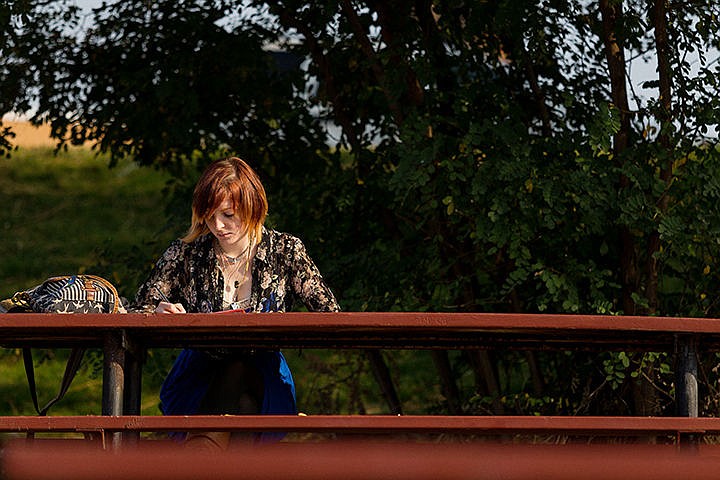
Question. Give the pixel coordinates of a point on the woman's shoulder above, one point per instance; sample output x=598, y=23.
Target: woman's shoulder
x=275, y=240
x=181, y=248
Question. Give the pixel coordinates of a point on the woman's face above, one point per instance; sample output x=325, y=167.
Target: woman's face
x=227, y=227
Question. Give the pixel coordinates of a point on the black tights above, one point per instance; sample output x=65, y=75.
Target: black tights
x=237, y=388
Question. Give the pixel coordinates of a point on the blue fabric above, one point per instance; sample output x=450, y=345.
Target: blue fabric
x=189, y=378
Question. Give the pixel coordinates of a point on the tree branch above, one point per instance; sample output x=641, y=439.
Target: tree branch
x=327, y=78
x=369, y=51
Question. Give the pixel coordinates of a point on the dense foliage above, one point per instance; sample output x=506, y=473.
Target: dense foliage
x=445, y=156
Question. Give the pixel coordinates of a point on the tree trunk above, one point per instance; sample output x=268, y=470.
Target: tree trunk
x=611, y=13
x=384, y=380
x=486, y=378
x=644, y=395
x=447, y=381
x=666, y=158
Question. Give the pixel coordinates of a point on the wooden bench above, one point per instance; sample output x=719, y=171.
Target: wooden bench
x=373, y=424
x=124, y=338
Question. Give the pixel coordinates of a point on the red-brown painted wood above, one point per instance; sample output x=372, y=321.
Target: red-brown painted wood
x=610, y=425
x=362, y=461
x=363, y=330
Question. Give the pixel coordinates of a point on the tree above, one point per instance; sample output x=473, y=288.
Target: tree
x=12, y=14
x=488, y=156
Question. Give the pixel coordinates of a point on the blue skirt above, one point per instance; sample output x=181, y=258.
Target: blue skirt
x=188, y=381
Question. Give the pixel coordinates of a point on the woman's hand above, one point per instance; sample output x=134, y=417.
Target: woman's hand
x=167, y=307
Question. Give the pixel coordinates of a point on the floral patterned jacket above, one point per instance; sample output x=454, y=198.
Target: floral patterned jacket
x=282, y=272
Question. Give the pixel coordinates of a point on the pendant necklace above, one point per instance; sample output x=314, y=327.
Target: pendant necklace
x=227, y=262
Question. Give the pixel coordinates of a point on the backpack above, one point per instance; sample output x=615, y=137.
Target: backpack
x=63, y=294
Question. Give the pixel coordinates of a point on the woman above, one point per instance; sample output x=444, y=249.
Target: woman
x=229, y=261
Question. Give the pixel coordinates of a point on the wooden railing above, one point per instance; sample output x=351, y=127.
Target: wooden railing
x=363, y=461
x=124, y=338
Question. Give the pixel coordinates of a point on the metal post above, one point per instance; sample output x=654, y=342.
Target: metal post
x=134, y=357
x=133, y=383
x=113, y=378
x=686, y=384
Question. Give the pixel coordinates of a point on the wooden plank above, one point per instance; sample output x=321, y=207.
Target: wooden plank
x=367, y=320
x=362, y=461
x=590, y=425
x=363, y=330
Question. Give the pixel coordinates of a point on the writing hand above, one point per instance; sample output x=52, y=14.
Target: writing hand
x=167, y=307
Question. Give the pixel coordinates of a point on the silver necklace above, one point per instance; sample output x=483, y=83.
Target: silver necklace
x=227, y=262
x=234, y=260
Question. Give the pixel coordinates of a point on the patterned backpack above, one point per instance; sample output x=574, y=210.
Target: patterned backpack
x=66, y=294
x=63, y=294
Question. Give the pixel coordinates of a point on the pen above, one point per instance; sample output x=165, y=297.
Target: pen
x=162, y=295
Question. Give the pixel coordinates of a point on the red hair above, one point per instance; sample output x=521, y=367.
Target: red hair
x=234, y=179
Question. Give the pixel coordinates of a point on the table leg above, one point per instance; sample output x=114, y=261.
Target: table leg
x=686, y=384
x=113, y=378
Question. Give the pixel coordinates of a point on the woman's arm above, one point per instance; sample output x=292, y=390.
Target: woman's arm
x=308, y=284
x=161, y=292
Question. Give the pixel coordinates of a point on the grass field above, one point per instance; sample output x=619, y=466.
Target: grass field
x=66, y=213
x=63, y=214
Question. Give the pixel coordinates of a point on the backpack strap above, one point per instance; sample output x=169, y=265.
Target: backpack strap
x=93, y=289
x=71, y=368
x=89, y=279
